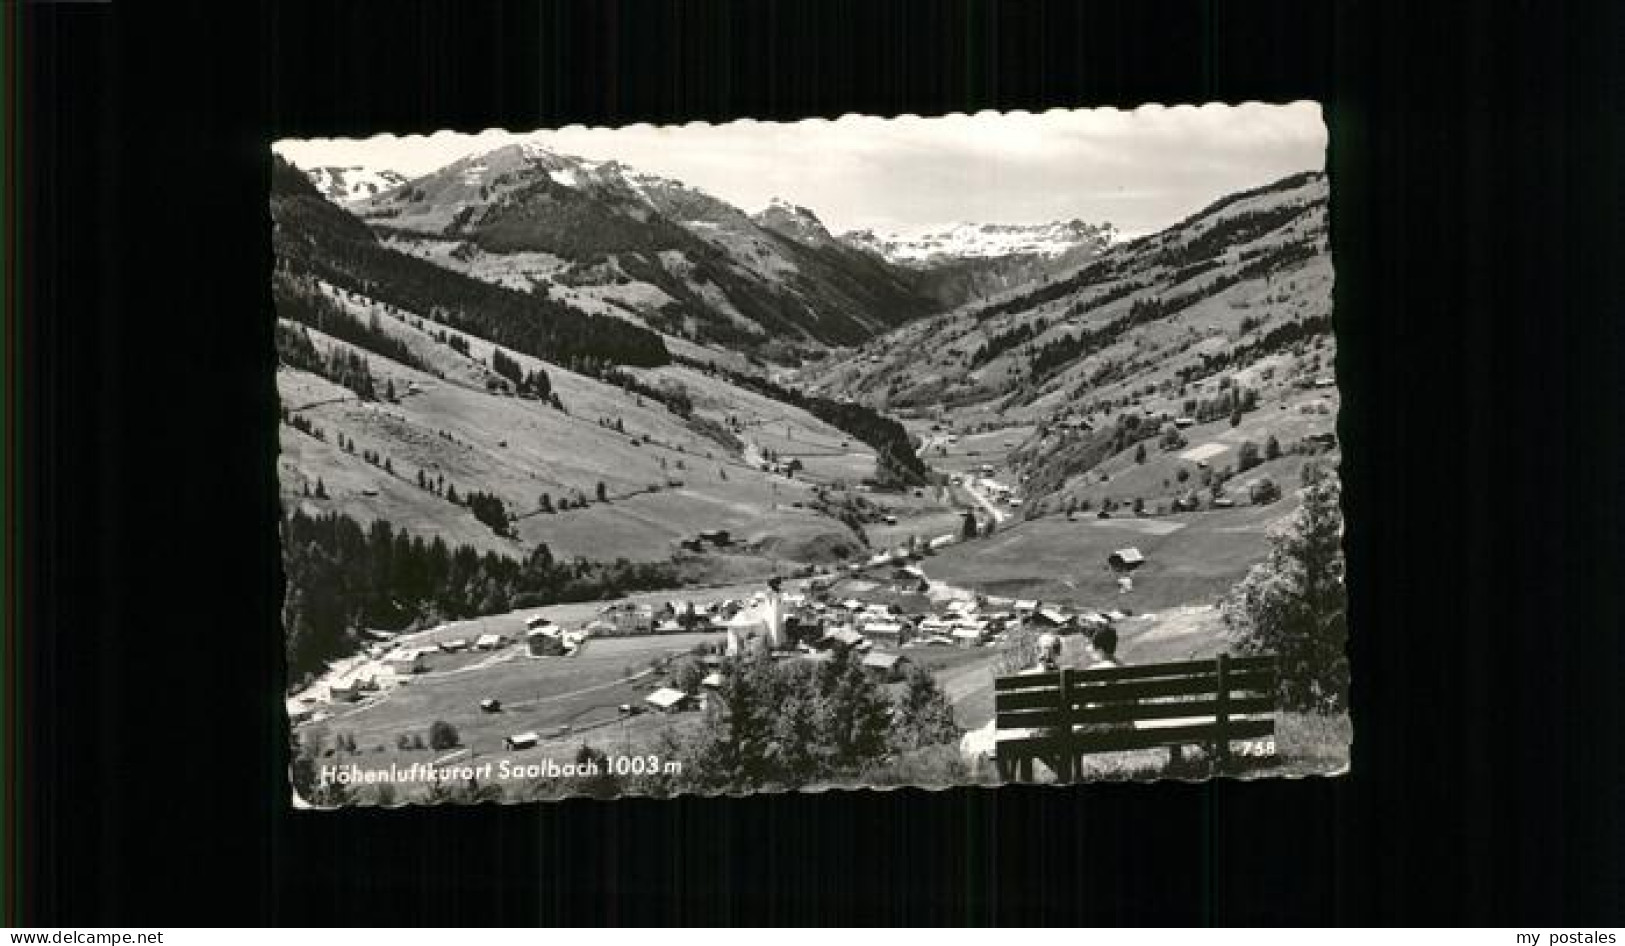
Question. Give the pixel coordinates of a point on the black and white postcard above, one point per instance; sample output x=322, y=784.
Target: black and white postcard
x=768, y=457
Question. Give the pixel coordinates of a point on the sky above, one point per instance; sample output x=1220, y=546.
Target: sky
x=1140, y=170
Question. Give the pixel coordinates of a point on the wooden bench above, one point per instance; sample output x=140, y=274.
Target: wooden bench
x=1059, y=717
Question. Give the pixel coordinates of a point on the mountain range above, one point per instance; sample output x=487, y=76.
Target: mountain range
x=967, y=241
x=609, y=239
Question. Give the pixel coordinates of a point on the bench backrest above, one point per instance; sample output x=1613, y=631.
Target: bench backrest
x=1076, y=712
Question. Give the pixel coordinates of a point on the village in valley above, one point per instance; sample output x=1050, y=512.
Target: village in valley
x=596, y=485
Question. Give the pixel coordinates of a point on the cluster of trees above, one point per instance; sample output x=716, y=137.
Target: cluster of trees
x=315, y=238
x=1293, y=604
x=302, y=301
x=345, y=368
x=668, y=392
x=896, y=463
x=1232, y=402
x=457, y=343
x=302, y=424
x=790, y=724
x=489, y=509
x=534, y=382
x=342, y=576
x=1002, y=342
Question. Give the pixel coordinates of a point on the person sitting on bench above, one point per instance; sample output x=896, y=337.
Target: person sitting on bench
x=1049, y=653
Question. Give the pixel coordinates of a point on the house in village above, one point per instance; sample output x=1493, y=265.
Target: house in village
x=886, y=633
x=668, y=700
x=524, y=740
x=405, y=662
x=1053, y=619
x=1125, y=559
x=489, y=642
x=841, y=638
x=883, y=666
x=347, y=692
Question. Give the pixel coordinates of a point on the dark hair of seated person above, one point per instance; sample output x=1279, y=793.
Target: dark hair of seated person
x=1105, y=641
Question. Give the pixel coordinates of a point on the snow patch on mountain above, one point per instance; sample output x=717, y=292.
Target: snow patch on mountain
x=984, y=241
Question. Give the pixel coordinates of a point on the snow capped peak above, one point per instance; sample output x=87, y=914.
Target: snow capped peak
x=533, y=151
x=353, y=183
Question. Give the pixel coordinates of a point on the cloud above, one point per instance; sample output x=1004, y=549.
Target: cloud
x=1141, y=170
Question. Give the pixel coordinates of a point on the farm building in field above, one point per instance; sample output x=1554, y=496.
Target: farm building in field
x=454, y=645
x=524, y=740
x=537, y=620
x=967, y=637
x=887, y=667
x=489, y=642
x=344, y=692
x=712, y=681
x=545, y=641
x=668, y=700
x=405, y=662
x=941, y=542
x=1125, y=560
x=1025, y=607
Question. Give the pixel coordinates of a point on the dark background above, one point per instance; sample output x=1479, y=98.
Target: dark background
x=1477, y=207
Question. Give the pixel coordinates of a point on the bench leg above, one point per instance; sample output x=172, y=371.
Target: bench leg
x=1176, y=755
x=1025, y=768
